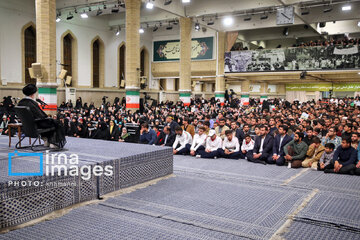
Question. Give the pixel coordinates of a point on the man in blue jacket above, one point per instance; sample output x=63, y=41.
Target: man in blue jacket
x=344, y=159
x=147, y=136
x=280, y=141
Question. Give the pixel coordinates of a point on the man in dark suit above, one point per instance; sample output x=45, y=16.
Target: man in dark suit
x=278, y=147
x=55, y=138
x=262, y=148
x=171, y=123
x=166, y=138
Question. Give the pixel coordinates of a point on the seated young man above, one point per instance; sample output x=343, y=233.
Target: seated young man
x=295, y=151
x=230, y=147
x=326, y=157
x=147, y=135
x=262, y=148
x=280, y=141
x=198, y=142
x=313, y=154
x=345, y=158
x=182, y=139
x=247, y=146
x=166, y=138
x=213, y=143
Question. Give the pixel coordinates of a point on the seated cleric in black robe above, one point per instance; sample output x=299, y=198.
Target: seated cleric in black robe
x=55, y=138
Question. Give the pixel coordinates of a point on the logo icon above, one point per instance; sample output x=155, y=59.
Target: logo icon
x=16, y=154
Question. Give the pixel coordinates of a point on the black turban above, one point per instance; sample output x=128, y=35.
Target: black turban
x=29, y=89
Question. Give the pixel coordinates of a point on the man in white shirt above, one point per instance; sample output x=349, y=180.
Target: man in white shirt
x=182, y=138
x=213, y=143
x=230, y=147
x=198, y=142
x=247, y=146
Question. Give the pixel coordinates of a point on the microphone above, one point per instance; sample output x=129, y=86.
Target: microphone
x=41, y=102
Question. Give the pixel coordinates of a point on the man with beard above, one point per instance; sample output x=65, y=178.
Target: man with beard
x=53, y=139
x=295, y=151
x=345, y=158
x=182, y=139
x=262, y=148
x=280, y=141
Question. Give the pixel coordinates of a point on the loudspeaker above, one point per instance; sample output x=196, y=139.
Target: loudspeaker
x=322, y=24
x=62, y=74
x=31, y=73
x=68, y=80
x=36, y=67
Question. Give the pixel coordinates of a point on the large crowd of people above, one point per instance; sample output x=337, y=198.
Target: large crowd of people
x=322, y=135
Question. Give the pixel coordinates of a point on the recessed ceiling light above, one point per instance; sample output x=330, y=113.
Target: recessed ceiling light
x=141, y=30
x=186, y=1
x=359, y=24
x=228, y=21
x=346, y=8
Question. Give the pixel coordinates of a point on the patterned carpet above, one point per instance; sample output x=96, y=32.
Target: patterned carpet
x=218, y=199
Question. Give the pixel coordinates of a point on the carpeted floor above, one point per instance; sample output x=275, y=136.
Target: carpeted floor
x=218, y=199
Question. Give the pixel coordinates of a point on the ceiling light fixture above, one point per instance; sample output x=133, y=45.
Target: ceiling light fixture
x=186, y=1
x=121, y=4
x=141, y=30
x=89, y=9
x=84, y=15
x=118, y=31
x=228, y=21
x=346, y=8
x=69, y=16
x=247, y=18
x=211, y=22
x=149, y=5
x=359, y=24
x=264, y=17
x=286, y=31
x=58, y=19
x=197, y=26
x=167, y=2
x=305, y=11
x=327, y=9
x=115, y=9
x=104, y=6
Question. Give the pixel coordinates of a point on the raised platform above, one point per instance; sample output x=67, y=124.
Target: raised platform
x=218, y=199
x=24, y=198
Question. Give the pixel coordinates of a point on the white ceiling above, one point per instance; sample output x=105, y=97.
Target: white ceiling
x=203, y=10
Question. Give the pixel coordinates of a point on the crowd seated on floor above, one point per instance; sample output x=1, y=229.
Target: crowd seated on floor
x=322, y=135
